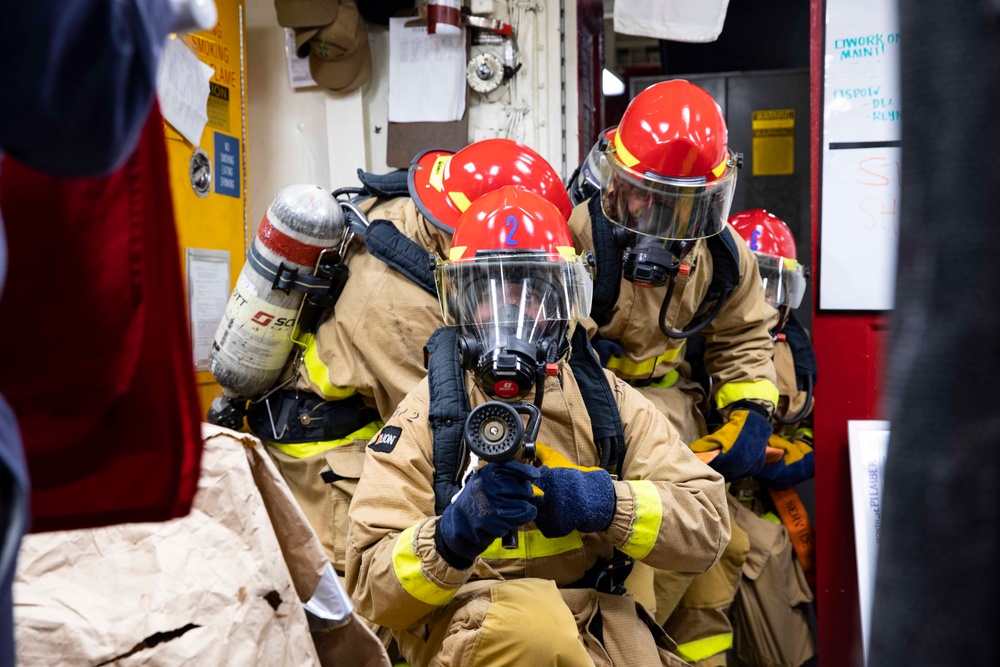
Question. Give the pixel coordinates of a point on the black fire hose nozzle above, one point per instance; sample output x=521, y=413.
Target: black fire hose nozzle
x=494, y=432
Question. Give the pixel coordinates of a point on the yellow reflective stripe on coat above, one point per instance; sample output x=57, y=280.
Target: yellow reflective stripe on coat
x=318, y=373
x=666, y=381
x=701, y=649
x=803, y=432
x=629, y=367
x=410, y=572
x=731, y=392
x=648, y=517
x=303, y=450
x=532, y=544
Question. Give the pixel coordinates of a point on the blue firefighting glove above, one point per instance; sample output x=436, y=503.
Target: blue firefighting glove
x=796, y=465
x=495, y=500
x=742, y=442
x=573, y=497
x=606, y=349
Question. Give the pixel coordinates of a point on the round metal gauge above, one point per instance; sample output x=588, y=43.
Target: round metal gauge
x=484, y=72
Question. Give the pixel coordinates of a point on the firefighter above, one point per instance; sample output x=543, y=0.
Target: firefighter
x=668, y=268
x=426, y=554
x=770, y=620
x=368, y=353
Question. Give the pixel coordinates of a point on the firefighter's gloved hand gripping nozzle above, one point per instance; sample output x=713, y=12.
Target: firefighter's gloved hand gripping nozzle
x=494, y=432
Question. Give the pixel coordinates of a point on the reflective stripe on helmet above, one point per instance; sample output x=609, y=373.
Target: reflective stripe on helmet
x=460, y=200
x=719, y=170
x=410, y=573
x=436, y=178
x=623, y=153
x=648, y=517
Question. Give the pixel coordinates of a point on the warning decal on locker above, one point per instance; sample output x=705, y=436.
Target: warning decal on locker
x=773, y=142
x=218, y=106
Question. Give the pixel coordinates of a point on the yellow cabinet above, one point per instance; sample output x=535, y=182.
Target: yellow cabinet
x=208, y=181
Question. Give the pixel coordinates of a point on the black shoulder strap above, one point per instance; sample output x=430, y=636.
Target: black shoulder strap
x=802, y=351
x=385, y=186
x=449, y=407
x=599, y=399
x=725, y=266
x=609, y=263
x=390, y=245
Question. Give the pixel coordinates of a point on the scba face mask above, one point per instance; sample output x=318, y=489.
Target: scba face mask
x=513, y=311
x=512, y=284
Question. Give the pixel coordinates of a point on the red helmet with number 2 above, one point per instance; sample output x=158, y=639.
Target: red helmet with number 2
x=512, y=247
x=444, y=184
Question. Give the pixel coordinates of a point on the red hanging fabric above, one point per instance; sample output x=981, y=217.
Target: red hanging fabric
x=95, y=356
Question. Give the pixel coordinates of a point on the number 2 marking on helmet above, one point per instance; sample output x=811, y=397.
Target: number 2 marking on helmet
x=512, y=223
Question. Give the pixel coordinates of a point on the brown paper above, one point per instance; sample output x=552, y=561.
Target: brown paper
x=212, y=588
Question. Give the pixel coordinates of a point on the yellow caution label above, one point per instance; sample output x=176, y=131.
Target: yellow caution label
x=218, y=106
x=773, y=142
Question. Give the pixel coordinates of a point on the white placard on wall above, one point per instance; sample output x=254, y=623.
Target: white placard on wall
x=868, y=443
x=861, y=155
x=208, y=295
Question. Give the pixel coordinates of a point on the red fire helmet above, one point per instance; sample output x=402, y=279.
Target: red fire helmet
x=444, y=184
x=511, y=219
x=669, y=172
x=513, y=240
x=674, y=129
x=765, y=233
x=771, y=240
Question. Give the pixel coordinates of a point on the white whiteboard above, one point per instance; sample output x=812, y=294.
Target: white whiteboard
x=859, y=220
x=868, y=443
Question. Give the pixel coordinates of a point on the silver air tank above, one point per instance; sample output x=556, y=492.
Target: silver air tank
x=253, y=341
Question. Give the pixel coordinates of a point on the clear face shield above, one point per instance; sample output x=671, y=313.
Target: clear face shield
x=514, y=311
x=665, y=208
x=784, y=280
x=588, y=178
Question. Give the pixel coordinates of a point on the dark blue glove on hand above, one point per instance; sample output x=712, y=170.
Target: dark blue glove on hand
x=742, y=440
x=574, y=500
x=495, y=500
x=796, y=465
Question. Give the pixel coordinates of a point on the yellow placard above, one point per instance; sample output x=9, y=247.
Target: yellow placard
x=773, y=142
x=208, y=181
